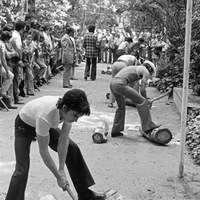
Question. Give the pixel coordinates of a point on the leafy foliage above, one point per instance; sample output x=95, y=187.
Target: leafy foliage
x=54, y=10
x=172, y=17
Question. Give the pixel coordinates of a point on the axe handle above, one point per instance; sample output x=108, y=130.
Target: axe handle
x=71, y=194
x=161, y=96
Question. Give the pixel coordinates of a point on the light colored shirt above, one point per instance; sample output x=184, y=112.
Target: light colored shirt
x=129, y=59
x=47, y=40
x=74, y=43
x=16, y=42
x=3, y=61
x=123, y=45
x=42, y=114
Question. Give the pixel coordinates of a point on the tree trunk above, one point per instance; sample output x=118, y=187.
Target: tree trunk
x=31, y=6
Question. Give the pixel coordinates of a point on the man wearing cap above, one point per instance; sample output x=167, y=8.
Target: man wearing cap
x=121, y=89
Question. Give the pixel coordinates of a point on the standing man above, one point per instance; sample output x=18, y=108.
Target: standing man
x=75, y=58
x=136, y=48
x=5, y=74
x=91, y=52
x=124, y=47
x=117, y=41
x=68, y=56
x=16, y=44
x=121, y=89
x=40, y=118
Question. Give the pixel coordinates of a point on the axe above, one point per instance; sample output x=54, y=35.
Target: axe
x=71, y=194
x=160, y=97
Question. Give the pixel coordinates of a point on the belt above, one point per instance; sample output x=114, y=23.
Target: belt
x=122, y=61
x=123, y=79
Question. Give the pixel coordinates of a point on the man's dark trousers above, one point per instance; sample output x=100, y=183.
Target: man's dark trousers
x=93, y=68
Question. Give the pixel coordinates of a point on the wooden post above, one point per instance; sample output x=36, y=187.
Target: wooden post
x=185, y=85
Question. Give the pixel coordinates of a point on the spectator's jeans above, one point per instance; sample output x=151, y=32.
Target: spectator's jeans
x=116, y=67
x=28, y=80
x=115, y=55
x=120, y=52
x=24, y=135
x=6, y=81
x=110, y=55
x=93, y=69
x=121, y=90
x=41, y=68
x=67, y=74
x=104, y=54
x=18, y=74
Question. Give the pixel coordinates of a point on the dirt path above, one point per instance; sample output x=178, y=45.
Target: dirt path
x=131, y=164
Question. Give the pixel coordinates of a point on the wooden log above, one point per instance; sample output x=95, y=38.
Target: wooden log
x=100, y=132
x=114, y=195
x=160, y=136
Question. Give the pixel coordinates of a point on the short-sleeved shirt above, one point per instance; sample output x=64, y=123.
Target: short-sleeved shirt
x=42, y=114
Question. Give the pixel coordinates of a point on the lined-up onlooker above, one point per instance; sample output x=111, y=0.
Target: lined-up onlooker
x=28, y=60
x=90, y=43
x=17, y=67
x=7, y=75
x=124, y=47
x=68, y=56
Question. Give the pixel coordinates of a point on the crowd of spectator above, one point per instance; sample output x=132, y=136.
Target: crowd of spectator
x=31, y=54
x=116, y=43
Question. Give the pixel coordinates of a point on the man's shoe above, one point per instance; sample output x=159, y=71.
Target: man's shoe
x=31, y=94
x=74, y=78
x=67, y=86
x=12, y=107
x=43, y=80
x=117, y=134
x=26, y=96
x=85, y=78
x=90, y=195
x=19, y=102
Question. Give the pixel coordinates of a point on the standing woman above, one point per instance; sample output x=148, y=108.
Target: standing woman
x=68, y=56
x=40, y=118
